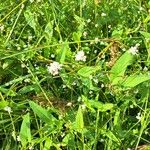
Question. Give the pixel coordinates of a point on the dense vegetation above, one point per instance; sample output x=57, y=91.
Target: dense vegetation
x=74, y=74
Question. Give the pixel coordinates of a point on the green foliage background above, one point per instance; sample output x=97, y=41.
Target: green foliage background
x=102, y=103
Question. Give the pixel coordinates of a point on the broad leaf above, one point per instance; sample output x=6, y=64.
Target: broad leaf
x=119, y=68
x=100, y=106
x=134, y=80
x=87, y=71
x=42, y=113
x=31, y=19
x=25, y=132
x=79, y=123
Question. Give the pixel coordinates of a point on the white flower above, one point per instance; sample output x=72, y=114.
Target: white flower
x=18, y=138
x=83, y=106
x=95, y=51
x=96, y=40
x=80, y=56
x=96, y=25
x=84, y=34
x=52, y=56
x=134, y=49
x=27, y=80
x=31, y=1
x=69, y=104
x=54, y=68
x=89, y=20
x=30, y=38
x=103, y=14
x=8, y=109
x=138, y=116
x=1, y=27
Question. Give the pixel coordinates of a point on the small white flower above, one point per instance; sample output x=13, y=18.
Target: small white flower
x=102, y=85
x=102, y=140
x=83, y=106
x=96, y=40
x=18, y=138
x=138, y=116
x=109, y=26
x=14, y=135
x=74, y=83
x=96, y=25
x=1, y=27
x=27, y=80
x=52, y=56
x=79, y=99
x=64, y=86
x=95, y=80
x=23, y=65
x=31, y=1
x=145, y=69
x=134, y=50
x=95, y=51
x=131, y=106
x=30, y=38
x=103, y=14
x=31, y=147
x=80, y=56
x=91, y=43
x=84, y=34
x=89, y=20
x=8, y=109
x=54, y=68
x=69, y=104
x=90, y=92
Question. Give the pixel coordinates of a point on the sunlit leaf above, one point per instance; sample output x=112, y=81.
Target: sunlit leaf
x=42, y=113
x=25, y=133
x=134, y=80
x=88, y=70
x=119, y=68
x=79, y=123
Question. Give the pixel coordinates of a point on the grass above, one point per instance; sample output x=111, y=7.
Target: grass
x=74, y=75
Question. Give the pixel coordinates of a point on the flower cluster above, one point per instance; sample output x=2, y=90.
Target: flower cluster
x=134, y=49
x=54, y=68
x=80, y=56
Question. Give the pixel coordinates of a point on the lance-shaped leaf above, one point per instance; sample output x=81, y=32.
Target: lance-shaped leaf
x=134, y=80
x=25, y=132
x=119, y=68
x=88, y=70
x=79, y=123
x=42, y=113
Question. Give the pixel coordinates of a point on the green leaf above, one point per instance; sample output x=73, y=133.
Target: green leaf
x=79, y=123
x=87, y=71
x=29, y=88
x=31, y=19
x=119, y=68
x=8, y=92
x=110, y=135
x=3, y=104
x=77, y=36
x=145, y=34
x=25, y=133
x=64, y=53
x=89, y=84
x=49, y=31
x=42, y=113
x=134, y=80
x=100, y=106
x=48, y=144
